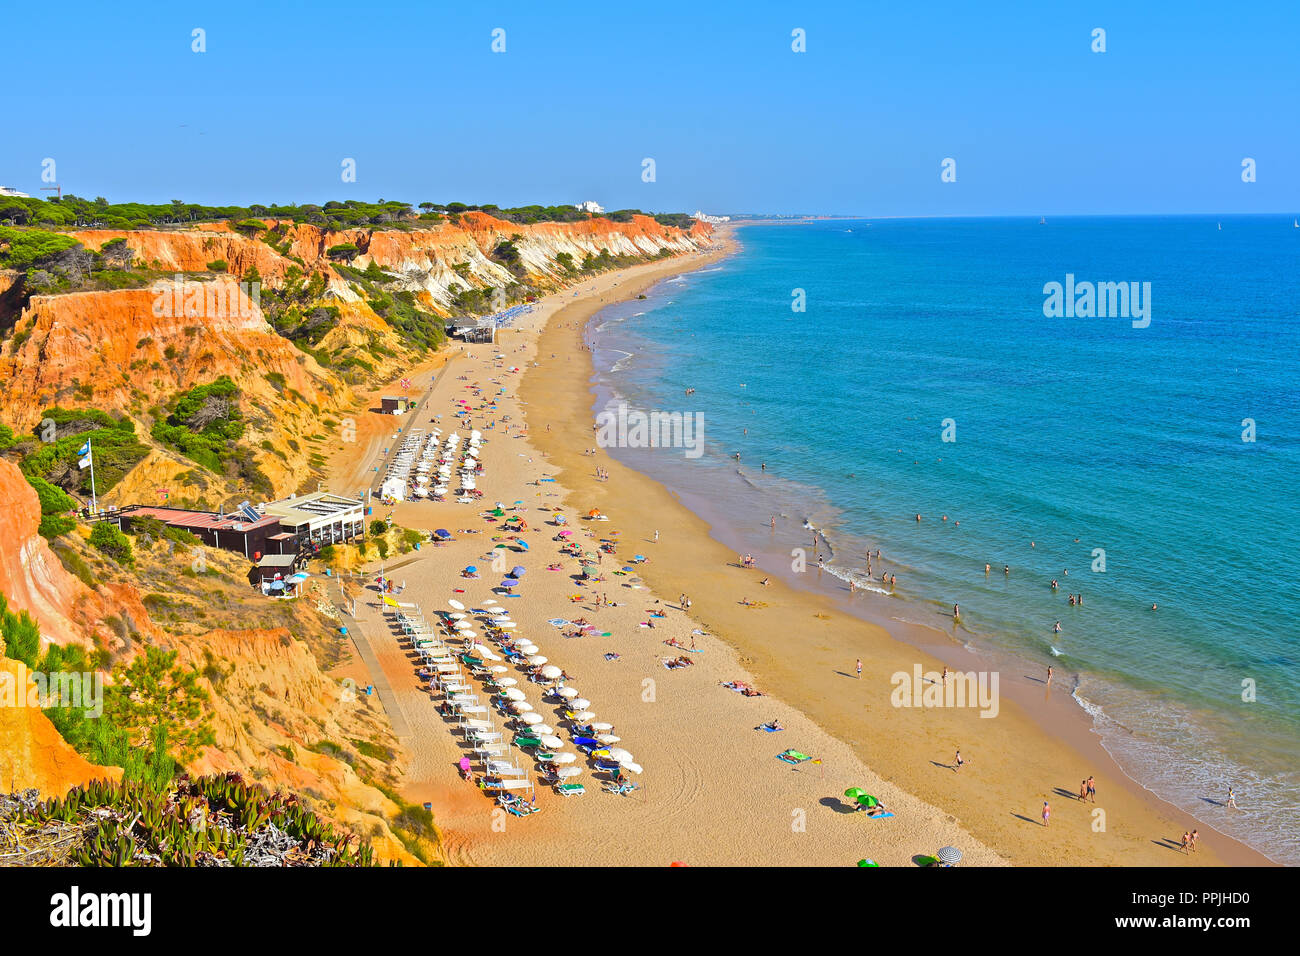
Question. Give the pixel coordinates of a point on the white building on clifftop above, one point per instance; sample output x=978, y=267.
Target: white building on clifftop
x=594, y=208
x=703, y=218
x=10, y=191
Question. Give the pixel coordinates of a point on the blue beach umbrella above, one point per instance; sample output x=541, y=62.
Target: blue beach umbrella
x=442, y=533
x=471, y=569
x=508, y=583
x=523, y=544
x=517, y=571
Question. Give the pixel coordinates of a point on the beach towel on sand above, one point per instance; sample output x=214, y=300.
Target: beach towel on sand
x=770, y=730
x=792, y=756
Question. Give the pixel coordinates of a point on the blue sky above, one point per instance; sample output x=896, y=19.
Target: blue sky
x=734, y=119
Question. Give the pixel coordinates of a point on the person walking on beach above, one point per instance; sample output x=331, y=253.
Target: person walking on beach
x=1049, y=675
x=958, y=762
x=1232, y=799
x=1187, y=842
x=1196, y=835
x=1083, y=790
x=1047, y=813
x=860, y=678
x=956, y=612
x=1092, y=789
x=656, y=535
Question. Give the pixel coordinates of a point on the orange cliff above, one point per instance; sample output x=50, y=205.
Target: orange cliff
x=116, y=344
x=31, y=577
x=427, y=257
x=32, y=754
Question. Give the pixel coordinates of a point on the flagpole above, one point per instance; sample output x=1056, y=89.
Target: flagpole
x=94, y=501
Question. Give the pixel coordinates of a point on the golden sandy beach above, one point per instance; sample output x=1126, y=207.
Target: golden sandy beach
x=712, y=792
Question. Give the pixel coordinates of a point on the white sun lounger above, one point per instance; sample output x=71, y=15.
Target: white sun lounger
x=512, y=783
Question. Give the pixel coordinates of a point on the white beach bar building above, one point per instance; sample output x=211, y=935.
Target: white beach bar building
x=319, y=518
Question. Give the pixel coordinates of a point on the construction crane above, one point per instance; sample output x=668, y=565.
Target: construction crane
x=56, y=188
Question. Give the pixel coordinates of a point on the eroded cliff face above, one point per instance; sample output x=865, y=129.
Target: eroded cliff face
x=32, y=754
x=31, y=577
x=125, y=351
x=114, y=351
x=427, y=258
x=122, y=354
x=270, y=703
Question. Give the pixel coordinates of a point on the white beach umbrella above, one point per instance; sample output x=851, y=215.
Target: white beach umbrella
x=621, y=755
x=527, y=648
x=565, y=758
x=537, y=660
x=488, y=602
x=550, y=740
x=567, y=692
x=457, y=616
x=507, y=625
x=580, y=703
x=608, y=739
x=523, y=708
x=505, y=681
x=514, y=693
x=531, y=718
x=499, y=669
x=566, y=772
x=583, y=716
x=550, y=672
x=543, y=729
x=456, y=604
x=634, y=767
x=602, y=726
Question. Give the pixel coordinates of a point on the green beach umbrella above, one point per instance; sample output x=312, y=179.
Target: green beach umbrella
x=854, y=792
x=867, y=800
x=868, y=863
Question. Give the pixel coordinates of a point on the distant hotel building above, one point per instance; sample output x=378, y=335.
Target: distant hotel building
x=10, y=191
x=594, y=208
x=703, y=218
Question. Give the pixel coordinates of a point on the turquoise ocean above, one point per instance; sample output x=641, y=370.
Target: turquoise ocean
x=1071, y=436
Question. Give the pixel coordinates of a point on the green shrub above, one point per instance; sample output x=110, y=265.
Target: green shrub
x=108, y=539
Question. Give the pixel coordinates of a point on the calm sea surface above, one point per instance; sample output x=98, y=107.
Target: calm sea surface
x=1080, y=435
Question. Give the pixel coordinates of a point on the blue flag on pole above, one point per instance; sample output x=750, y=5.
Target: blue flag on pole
x=85, y=449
